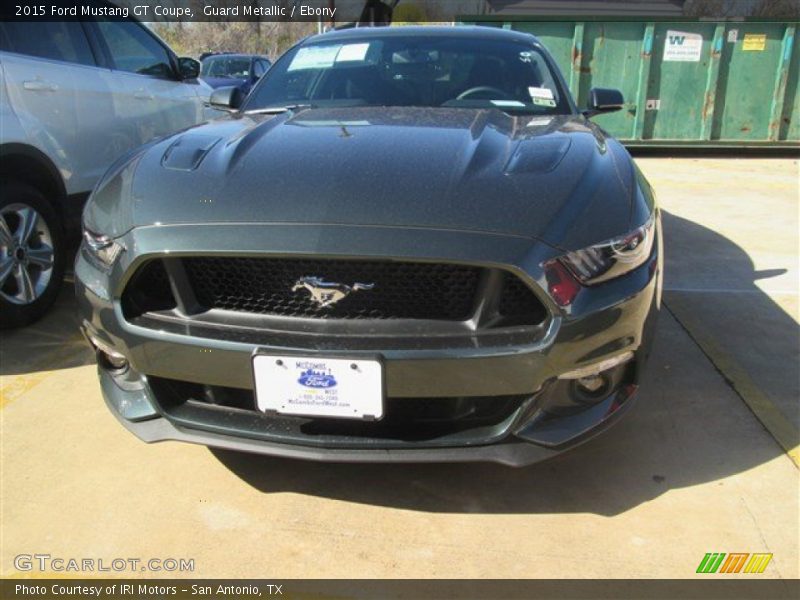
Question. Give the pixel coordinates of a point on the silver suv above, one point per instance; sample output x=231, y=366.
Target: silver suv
x=74, y=96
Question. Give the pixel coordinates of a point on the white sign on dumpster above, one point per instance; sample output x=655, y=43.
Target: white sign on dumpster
x=680, y=46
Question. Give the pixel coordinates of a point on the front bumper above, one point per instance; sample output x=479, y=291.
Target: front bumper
x=513, y=452
x=603, y=323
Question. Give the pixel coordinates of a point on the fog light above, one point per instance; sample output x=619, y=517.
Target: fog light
x=115, y=360
x=595, y=369
x=595, y=388
x=593, y=383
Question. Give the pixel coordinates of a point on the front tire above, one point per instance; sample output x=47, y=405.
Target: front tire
x=32, y=254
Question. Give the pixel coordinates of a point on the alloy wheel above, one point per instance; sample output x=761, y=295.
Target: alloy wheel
x=26, y=254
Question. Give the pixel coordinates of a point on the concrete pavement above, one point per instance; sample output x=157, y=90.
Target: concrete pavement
x=732, y=229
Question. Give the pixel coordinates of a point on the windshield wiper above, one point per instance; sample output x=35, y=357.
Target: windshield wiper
x=274, y=110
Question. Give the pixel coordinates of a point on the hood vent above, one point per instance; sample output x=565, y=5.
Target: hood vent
x=540, y=155
x=187, y=152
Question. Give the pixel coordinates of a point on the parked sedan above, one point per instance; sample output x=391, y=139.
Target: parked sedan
x=74, y=96
x=239, y=70
x=407, y=245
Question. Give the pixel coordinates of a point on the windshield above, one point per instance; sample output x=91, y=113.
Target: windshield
x=226, y=66
x=414, y=71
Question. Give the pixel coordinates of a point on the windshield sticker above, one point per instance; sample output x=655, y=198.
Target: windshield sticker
x=526, y=56
x=539, y=122
x=544, y=102
x=352, y=52
x=541, y=92
x=508, y=103
x=314, y=57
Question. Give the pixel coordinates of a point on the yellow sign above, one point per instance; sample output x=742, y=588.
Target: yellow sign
x=754, y=42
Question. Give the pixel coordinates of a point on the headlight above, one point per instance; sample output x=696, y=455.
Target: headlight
x=101, y=250
x=613, y=258
x=596, y=264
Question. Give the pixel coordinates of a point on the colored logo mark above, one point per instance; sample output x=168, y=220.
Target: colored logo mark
x=734, y=562
x=317, y=379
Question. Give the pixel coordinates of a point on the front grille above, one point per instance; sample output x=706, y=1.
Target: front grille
x=517, y=302
x=400, y=290
x=148, y=291
x=393, y=290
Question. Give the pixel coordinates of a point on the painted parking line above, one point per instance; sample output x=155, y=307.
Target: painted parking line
x=770, y=416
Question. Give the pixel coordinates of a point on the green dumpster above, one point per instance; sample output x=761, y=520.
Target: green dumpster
x=686, y=82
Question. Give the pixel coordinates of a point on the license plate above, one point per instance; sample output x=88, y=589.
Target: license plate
x=319, y=387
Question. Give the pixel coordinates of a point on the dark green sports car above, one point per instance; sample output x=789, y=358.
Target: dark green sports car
x=406, y=244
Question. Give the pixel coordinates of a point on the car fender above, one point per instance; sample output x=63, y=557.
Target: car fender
x=23, y=133
x=12, y=130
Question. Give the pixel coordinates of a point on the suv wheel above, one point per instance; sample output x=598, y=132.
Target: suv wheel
x=31, y=254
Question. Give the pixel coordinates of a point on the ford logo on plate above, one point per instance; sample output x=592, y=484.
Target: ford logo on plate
x=317, y=379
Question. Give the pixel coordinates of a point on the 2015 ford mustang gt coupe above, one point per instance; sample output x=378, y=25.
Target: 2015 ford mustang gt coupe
x=406, y=244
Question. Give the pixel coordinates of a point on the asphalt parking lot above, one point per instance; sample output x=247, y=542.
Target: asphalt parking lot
x=707, y=462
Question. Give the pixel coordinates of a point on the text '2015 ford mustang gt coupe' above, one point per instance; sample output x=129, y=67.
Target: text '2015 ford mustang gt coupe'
x=407, y=244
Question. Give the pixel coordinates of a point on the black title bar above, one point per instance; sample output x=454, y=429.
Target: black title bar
x=338, y=12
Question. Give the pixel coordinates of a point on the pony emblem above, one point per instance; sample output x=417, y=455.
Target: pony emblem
x=327, y=293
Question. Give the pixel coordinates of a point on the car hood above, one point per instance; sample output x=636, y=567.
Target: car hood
x=556, y=179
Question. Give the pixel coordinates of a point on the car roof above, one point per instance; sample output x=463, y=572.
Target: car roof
x=234, y=55
x=468, y=31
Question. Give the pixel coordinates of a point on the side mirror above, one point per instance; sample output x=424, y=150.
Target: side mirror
x=603, y=100
x=226, y=98
x=188, y=68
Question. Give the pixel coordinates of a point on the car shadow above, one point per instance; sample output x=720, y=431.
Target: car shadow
x=54, y=342
x=711, y=288
x=689, y=428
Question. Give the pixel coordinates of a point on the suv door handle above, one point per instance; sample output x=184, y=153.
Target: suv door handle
x=37, y=85
x=143, y=95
